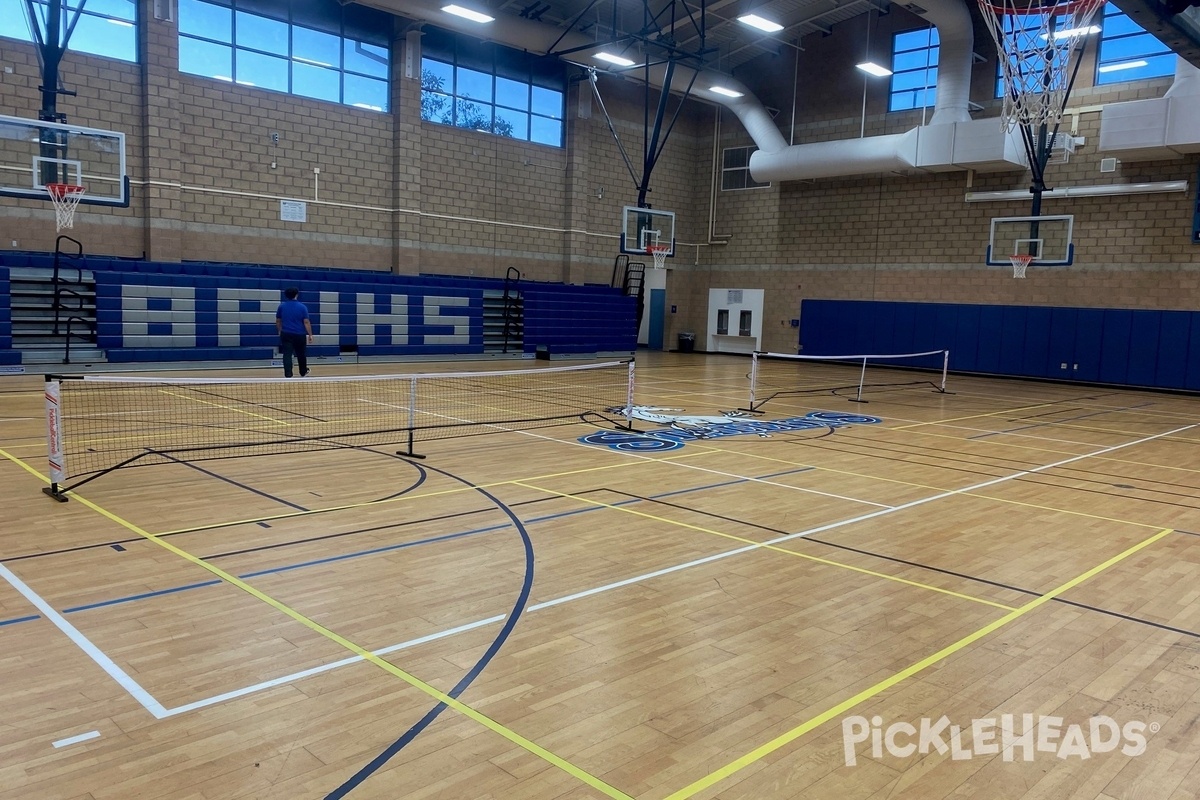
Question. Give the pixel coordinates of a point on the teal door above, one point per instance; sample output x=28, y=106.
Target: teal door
x=658, y=318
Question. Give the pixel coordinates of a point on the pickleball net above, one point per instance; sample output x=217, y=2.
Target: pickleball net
x=97, y=424
x=775, y=375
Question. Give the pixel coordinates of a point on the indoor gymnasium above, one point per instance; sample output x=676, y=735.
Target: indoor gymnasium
x=638, y=399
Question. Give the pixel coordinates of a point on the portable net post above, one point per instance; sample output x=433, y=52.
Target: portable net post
x=97, y=424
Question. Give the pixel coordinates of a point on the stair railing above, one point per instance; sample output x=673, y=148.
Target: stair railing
x=512, y=293
x=59, y=283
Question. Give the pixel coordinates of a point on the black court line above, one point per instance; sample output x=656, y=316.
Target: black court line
x=232, y=482
x=510, y=622
x=895, y=560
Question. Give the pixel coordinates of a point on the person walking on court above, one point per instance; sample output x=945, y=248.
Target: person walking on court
x=295, y=331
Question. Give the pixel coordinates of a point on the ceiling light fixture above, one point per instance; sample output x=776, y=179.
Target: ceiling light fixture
x=755, y=21
x=871, y=68
x=723, y=91
x=1071, y=33
x=1122, y=65
x=620, y=61
x=467, y=13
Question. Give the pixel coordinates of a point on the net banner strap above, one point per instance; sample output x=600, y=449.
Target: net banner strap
x=132, y=379
x=54, y=440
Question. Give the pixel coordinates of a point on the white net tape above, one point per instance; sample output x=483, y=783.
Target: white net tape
x=1020, y=264
x=1035, y=43
x=66, y=199
x=659, y=252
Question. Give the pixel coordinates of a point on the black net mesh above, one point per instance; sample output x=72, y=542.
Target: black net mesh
x=779, y=374
x=110, y=422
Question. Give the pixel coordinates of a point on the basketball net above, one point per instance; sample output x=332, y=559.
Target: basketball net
x=1035, y=43
x=1020, y=262
x=65, y=197
x=659, y=252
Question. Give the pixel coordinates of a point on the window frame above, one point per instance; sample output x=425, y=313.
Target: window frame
x=1154, y=69
x=928, y=91
x=751, y=184
x=291, y=60
x=21, y=25
x=498, y=63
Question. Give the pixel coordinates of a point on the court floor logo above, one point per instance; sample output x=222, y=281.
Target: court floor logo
x=679, y=428
x=1007, y=736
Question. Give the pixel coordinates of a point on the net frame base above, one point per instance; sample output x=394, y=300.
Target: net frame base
x=65, y=197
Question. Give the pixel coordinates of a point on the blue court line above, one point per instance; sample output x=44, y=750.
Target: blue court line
x=388, y=548
x=1059, y=421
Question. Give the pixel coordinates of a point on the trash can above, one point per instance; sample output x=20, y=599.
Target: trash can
x=687, y=342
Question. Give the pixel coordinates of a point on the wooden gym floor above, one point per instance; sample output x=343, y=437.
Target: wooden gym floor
x=691, y=623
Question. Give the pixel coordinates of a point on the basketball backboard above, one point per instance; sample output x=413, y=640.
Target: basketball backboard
x=1047, y=239
x=34, y=153
x=642, y=227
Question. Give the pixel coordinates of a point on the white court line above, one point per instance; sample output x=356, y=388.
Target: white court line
x=83, y=737
x=656, y=573
x=83, y=643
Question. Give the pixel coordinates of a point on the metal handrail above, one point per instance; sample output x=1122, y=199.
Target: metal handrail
x=57, y=281
x=512, y=278
x=89, y=337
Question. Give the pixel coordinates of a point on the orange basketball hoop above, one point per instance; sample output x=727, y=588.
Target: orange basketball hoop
x=66, y=197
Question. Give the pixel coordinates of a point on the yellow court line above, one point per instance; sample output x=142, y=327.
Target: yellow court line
x=764, y=545
x=387, y=666
x=766, y=749
x=961, y=493
x=227, y=408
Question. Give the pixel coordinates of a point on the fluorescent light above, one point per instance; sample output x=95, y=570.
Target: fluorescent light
x=1122, y=65
x=310, y=61
x=1070, y=33
x=122, y=23
x=467, y=13
x=723, y=91
x=755, y=21
x=871, y=68
x=1103, y=190
x=610, y=58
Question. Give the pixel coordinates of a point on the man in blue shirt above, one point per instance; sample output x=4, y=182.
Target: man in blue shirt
x=295, y=331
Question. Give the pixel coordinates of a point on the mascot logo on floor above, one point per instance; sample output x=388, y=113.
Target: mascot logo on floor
x=680, y=428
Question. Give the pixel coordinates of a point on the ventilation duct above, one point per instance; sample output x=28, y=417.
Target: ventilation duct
x=951, y=141
x=1158, y=128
